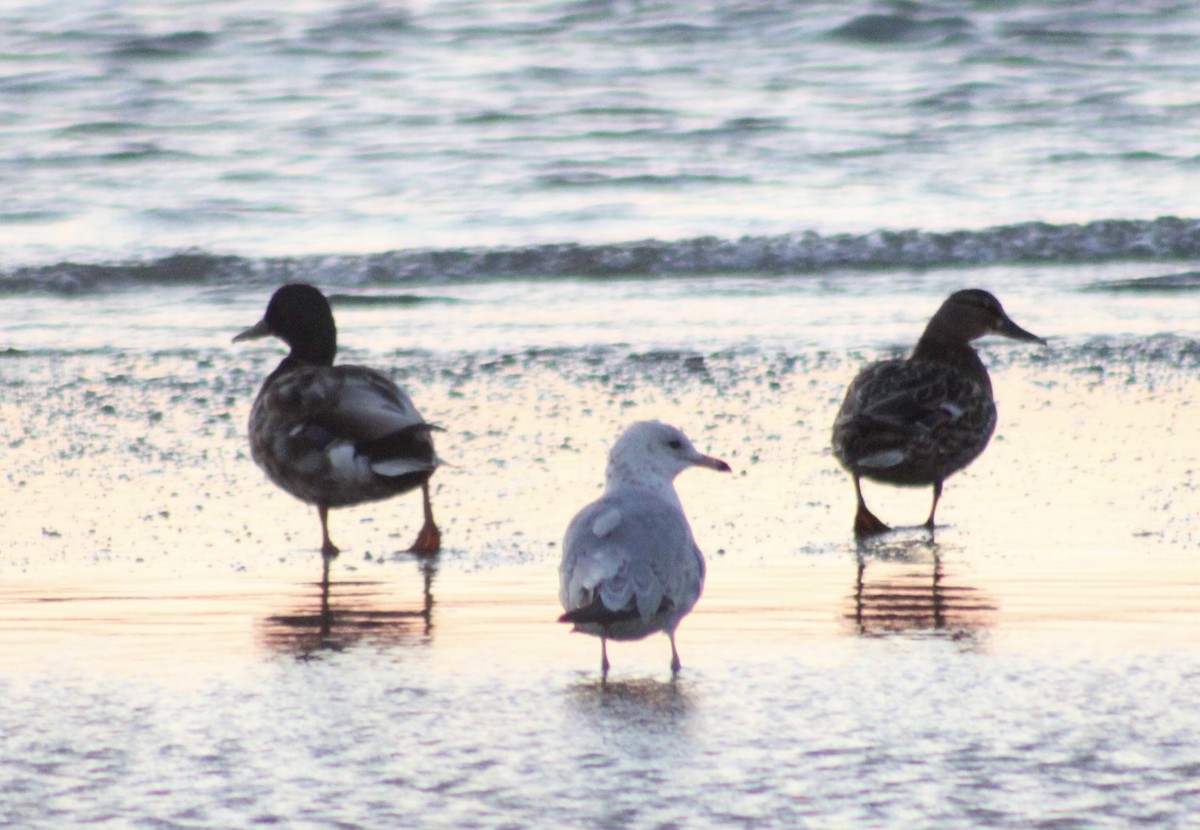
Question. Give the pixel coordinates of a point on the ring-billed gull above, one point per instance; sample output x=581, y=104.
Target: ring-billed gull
x=630, y=566
x=330, y=435
x=916, y=421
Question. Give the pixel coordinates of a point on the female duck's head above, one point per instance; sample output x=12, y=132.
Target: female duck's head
x=973, y=313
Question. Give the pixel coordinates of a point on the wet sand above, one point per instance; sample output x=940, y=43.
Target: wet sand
x=1029, y=663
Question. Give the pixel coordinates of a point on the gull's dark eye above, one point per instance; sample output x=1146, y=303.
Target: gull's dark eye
x=675, y=444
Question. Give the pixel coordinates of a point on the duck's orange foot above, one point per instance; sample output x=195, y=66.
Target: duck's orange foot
x=867, y=524
x=429, y=540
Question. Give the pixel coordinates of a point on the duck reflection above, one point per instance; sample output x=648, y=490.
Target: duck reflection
x=901, y=587
x=343, y=614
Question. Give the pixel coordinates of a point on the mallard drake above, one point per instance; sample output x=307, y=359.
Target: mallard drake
x=916, y=421
x=630, y=566
x=335, y=436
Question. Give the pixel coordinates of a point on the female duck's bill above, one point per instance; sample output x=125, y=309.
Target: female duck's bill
x=335, y=436
x=916, y=421
x=630, y=566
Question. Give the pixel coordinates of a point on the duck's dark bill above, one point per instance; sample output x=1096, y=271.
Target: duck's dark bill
x=255, y=332
x=1010, y=329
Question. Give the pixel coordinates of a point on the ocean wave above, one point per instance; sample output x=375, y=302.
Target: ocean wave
x=891, y=29
x=1166, y=239
x=157, y=47
x=588, y=178
x=362, y=23
x=1186, y=281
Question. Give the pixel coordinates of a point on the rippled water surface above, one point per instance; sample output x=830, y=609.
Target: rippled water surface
x=330, y=126
x=547, y=220
x=168, y=657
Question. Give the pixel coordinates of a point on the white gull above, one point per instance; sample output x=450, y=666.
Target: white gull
x=630, y=566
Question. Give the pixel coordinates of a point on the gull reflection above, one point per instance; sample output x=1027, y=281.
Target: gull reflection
x=341, y=615
x=901, y=587
x=642, y=716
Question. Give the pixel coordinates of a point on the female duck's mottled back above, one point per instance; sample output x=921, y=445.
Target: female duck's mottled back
x=915, y=422
x=630, y=566
x=330, y=435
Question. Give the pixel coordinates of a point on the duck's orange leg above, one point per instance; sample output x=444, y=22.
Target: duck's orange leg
x=865, y=522
x=429, y=540
x=937, y=494
x=328, y=548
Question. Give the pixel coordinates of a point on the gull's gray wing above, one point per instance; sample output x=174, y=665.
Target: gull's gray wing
x=629, y=556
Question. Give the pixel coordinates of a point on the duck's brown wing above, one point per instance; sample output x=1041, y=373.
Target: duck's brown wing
x=912, y=422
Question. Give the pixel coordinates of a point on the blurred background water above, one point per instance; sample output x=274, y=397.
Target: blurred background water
x=138, y=129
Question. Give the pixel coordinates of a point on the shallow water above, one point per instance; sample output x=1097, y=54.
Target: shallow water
x=169, y=659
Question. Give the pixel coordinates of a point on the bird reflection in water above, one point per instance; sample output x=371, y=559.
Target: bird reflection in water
x=901, y=588
x=640, y=716
x=344, y=614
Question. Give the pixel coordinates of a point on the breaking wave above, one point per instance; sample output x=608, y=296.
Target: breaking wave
x=1165, y=238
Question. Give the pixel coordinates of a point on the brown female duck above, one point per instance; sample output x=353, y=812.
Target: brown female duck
x=916, y=421
x=335, y=436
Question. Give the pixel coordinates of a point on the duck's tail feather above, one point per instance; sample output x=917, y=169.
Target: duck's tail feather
x=401, y=452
